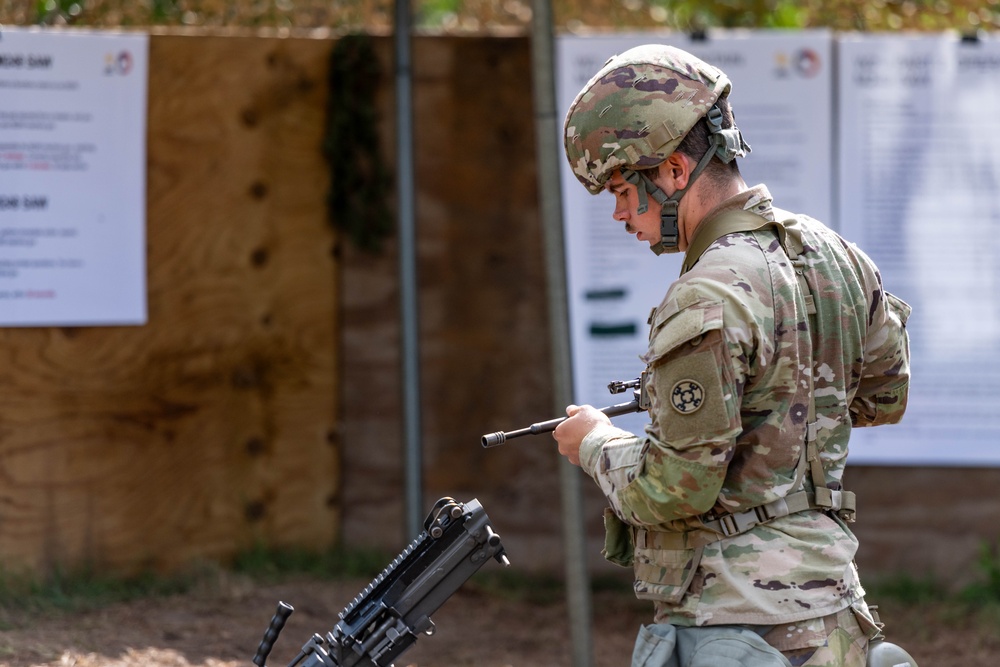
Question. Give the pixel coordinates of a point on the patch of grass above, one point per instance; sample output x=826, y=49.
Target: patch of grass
x=987, y=591
x=542, y=588
x=263, y=563
x=513, y=585
x=24, y=596
x=978, y=602
x=906, y=589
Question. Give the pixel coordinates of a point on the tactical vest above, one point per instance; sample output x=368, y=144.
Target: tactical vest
x=665, y=562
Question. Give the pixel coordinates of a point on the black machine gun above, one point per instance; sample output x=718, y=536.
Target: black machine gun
x=385, y=619
x=639, y=402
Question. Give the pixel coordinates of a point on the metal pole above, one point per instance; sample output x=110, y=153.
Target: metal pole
x=410, y=342
x=548, y=152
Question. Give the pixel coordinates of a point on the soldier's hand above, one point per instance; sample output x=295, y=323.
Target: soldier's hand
x=581, y=420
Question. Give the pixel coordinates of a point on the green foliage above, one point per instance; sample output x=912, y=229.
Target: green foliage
x=49, y=11
x=785, y=15
x=983, y=594
x=163, y=11
x=906, y=589
x=843, y=15
x=436, y=13
x=512, y=584
x=477, y=15
x=24, y=595
x=987, y=591
x=267, y=564
x=360, y=185
x=264, y=564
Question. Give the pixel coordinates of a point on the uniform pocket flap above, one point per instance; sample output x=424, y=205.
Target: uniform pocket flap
x=898, y=307
x=675, y=329
x=664, y=574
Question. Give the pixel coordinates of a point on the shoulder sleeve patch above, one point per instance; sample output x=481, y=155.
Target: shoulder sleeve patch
x=692, y=392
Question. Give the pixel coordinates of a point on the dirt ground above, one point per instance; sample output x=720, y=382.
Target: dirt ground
x=222, y=624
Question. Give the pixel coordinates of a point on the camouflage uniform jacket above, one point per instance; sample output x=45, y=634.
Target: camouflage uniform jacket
x=728, y=378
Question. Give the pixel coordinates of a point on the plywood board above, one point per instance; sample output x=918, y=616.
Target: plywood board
x=213, y=427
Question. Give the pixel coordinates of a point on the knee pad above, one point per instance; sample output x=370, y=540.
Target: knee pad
x=884, y=654
x=744, y=649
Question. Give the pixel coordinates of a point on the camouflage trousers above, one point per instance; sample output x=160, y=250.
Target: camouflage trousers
x=837, y=640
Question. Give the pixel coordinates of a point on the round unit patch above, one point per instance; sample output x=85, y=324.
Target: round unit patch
x=687, y=396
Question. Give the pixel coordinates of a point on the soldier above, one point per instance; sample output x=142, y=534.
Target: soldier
x=775, y=341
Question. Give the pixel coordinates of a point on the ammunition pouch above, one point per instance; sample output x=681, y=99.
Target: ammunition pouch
x=618, y=547
x=665, y=564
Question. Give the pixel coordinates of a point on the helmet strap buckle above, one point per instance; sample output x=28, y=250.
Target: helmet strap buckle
x=669, y=232
x=646, y=187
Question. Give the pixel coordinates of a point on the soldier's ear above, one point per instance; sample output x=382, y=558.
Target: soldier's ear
x=675, y=171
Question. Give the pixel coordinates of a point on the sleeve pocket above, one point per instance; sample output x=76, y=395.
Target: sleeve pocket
x=691, y=390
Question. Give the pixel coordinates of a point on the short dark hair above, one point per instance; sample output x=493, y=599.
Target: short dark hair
x=695, y=143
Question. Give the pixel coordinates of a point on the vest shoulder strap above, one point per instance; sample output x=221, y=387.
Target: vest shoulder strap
x=727, y=222
x=821, y=498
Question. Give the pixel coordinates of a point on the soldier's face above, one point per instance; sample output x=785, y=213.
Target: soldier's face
x=646, y=227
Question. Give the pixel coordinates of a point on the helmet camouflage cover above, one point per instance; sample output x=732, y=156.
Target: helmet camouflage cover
x=636, y=111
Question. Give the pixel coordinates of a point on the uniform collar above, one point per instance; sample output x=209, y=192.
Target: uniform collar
x=756, y=200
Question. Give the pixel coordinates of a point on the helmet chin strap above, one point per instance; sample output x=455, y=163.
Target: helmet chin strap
x=725, y=144
x=668, y=208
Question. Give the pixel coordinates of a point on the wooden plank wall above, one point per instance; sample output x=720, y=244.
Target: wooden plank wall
x=214, y=426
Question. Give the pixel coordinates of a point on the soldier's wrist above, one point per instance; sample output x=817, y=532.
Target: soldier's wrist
x=590, y=446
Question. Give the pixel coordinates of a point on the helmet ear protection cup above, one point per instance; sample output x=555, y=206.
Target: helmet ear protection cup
x=635, y=112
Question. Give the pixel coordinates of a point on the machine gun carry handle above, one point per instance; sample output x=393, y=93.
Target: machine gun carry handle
x=273, y=630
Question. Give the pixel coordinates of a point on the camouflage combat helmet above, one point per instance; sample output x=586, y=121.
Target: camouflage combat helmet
x=635, y=112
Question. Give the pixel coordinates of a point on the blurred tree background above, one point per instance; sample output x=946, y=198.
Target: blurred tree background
x=484, y=16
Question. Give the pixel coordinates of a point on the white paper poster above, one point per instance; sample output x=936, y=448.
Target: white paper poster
x=782, y=99
x=72, y=177
x=920, y=176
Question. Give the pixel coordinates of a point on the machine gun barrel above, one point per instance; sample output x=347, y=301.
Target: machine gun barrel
x=500, y=437
x=639, y=402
